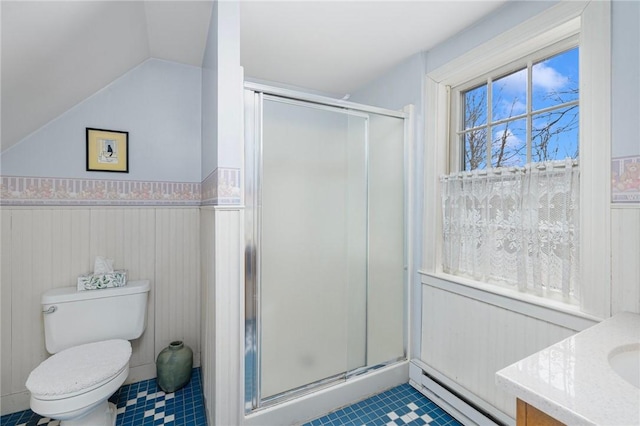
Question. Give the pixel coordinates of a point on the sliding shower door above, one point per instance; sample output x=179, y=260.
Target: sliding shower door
x=326, y=282
x=313, y=234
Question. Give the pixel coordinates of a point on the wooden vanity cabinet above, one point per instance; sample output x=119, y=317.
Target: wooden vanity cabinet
x=528, y=415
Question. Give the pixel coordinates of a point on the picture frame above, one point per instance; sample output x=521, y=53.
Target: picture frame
x=107, y=150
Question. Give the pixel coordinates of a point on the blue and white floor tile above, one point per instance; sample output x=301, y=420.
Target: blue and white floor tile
x=143, y=403
x=402, y=405
x=140, y=404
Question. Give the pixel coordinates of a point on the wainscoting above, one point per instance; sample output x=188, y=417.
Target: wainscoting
x=48, y=247
x=625, y=267
x=222, y=314
x=467, y=341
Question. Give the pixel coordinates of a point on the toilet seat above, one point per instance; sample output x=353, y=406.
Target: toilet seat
x=75, y=406
x=79, y=369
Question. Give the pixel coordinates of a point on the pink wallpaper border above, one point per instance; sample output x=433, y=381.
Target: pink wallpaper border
x=221, y=187
x=625, y=179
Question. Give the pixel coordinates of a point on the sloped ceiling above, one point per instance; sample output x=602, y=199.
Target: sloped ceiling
x=57, y=53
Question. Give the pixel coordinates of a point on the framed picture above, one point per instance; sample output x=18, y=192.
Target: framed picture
x=107, y=151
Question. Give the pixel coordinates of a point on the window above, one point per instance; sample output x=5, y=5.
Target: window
x=514, y=225
x=538, y=42
x=528, y=115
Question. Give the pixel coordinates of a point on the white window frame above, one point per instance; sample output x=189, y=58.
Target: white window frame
x=525, y=63
x=591, y=20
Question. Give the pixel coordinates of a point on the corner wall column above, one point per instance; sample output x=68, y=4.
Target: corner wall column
x=222, y=299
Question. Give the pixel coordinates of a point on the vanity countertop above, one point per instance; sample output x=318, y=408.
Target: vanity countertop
x=573, y=381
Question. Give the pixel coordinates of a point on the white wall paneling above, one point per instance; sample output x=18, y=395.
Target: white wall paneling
x=207, y=304
x=223, y=299
x=35, y=259
x=177, y=265
x=625, y=249
x=229, y=389
x=5, y=302
x=33, y=250
x=48, y=247
x=467, y=341
x=128, y=237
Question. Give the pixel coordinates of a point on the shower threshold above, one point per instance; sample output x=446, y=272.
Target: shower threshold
x=323, y=384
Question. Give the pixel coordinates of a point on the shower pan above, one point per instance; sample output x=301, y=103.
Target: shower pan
x=325, y=254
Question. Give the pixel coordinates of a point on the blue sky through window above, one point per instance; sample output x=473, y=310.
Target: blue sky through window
x=554, y=132
x=555, y=80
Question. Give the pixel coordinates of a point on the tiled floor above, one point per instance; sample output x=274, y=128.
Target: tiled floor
x=402, y=405
x=143, y=403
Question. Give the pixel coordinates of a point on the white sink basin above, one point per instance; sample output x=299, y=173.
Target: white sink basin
x=625, y=361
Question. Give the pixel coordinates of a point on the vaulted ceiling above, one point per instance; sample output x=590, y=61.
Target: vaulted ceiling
x=57, y=53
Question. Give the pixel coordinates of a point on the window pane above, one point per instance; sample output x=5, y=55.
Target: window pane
x=555, y=134
x=555, y=80
x=475, y=149
x=509, y=147
x=509, y=95
x=475, y=107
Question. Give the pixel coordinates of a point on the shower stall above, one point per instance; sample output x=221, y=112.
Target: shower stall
x=325, y=254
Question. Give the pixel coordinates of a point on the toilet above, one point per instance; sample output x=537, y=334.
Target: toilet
x=88, y=333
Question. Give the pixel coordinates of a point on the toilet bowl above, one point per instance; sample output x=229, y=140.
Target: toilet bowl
x=75, y=383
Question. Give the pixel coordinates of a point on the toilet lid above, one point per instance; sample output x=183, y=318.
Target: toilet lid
x=78, y=368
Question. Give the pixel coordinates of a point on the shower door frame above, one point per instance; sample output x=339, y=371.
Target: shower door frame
x=252, y=181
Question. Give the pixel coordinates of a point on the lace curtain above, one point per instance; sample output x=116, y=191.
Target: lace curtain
x=518, y=226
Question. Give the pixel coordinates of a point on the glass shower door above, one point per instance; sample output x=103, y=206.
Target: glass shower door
x=325, y=269
x=313, y=266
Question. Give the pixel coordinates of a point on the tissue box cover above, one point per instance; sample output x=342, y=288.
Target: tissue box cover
x=117, y=278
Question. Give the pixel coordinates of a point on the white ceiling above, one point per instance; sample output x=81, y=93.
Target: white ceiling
x=339, y=46
x=57, y=53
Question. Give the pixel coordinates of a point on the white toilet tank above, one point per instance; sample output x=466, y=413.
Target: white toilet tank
x=73, y=317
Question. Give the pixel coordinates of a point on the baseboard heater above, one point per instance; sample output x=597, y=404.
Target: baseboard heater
x=461, y=408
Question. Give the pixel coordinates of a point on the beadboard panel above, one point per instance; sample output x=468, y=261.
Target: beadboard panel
x=127, y=235
x=207, y=305
x=48, y=247
x=177, y=265
x=5, y=302
x=625, y=249
x=228, y=388
x=41, y=258
x=223, y=345
x=71, y=239
x=468, y=341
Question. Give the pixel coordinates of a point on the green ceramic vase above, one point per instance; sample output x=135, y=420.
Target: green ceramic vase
x=174, y=366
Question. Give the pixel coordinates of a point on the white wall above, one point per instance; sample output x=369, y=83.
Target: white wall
x=222, y=81
x=625, y=128
x=209, y=121
x=158, y=103
x=222, y=240
x=625, y=84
